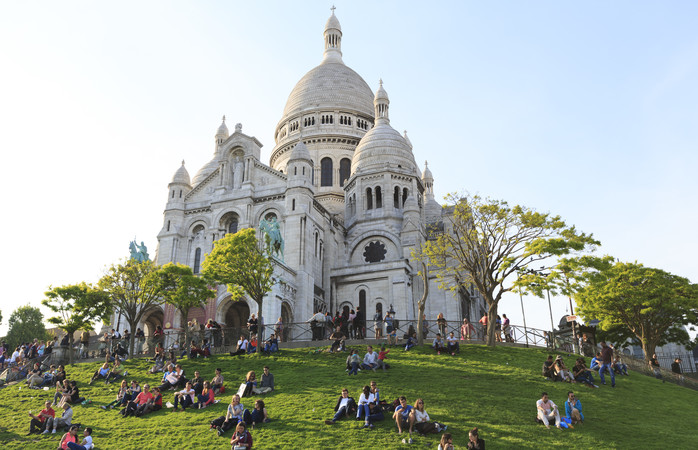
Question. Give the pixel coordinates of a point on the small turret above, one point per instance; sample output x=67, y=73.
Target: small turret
x=222, y=133
x=333, y=39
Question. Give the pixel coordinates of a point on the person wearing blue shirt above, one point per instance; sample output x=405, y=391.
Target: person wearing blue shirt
x=573, y=408
x=403, y=417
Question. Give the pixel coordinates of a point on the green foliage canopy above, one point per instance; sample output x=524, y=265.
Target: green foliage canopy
x=486, y=241
x=649, y=303
x=26, y=323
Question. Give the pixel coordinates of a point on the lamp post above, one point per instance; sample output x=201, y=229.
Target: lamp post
x=523, y=313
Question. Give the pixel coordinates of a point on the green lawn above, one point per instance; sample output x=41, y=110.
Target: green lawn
x=493, y=389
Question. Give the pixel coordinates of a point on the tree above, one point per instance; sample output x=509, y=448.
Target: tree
x=183, y=290
x=422, y=303
x=77, y=306
x=649, y=303
x=239, y=261
x=486, y=241
x=26, y=323
x=134, y=288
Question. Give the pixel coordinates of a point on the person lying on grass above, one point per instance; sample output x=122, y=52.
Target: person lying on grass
x=85, y=444
x=403, y=417
x=421, y=419
x=185, y=397
x=101, y=373
x=242, y=439
x=345, y=406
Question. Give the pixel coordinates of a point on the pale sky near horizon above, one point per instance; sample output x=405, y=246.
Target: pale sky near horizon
x=588, y=110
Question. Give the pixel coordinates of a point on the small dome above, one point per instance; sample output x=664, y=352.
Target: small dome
x=300, y=151
x=382, y=146
x=427, y=173
x=381, y=93
x=181, y=176
x=223, y=129
x=333, y=23
x=205, y=171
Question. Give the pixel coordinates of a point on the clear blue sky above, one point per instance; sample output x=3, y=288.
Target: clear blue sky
x=584, y=109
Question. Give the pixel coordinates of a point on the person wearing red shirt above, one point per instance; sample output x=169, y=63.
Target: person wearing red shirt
x=141, y=399
x=37, y=422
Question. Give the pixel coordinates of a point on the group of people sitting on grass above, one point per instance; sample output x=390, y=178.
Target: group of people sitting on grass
x=451, y=346
x=371, y=361
x=603, y=362
x=245, y=347
x=547, y=411
x=370, y=408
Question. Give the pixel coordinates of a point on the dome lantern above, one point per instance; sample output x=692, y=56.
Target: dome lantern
x=222, y=133
x=333, y=39
x=381, y=103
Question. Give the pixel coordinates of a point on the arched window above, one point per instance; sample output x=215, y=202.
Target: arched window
x=369, y=198
x=295, y=170
x=197, y=260
x=180, y=193
x=362, y=300
x=344, y=170
x=233, y=225
x=379, y=197
x=326, y=172
x=396, y=197
x=173, y=193
x=404, y=196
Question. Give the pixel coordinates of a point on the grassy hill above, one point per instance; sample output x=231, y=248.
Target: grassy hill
x=493, y=389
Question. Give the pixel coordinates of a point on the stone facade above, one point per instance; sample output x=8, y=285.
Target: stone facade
x=351, y=202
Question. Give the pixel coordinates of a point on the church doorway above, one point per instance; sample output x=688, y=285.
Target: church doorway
x=236, y=319
x=286, y=319
x=152, y=319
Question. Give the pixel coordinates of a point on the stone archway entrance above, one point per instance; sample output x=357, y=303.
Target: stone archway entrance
x=151, y=320
x=235, y=318
x=287, y=320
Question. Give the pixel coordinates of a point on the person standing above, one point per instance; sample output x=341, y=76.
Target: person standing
x=359, y=323
x=441, y=324
x=378, y=325
x=607, y=363
x=317, y=324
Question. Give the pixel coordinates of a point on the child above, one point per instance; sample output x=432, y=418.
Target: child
x=411, y=341
x=355, y=362
x=381, y=357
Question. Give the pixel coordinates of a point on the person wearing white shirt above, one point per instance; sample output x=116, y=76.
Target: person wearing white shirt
x=86, y=443
x=365, y=398
x=370, y=359
x=241, y=348
x=185, y=397
x=547, y=410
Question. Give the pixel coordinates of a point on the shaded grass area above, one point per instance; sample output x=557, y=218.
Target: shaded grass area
x=493, y=389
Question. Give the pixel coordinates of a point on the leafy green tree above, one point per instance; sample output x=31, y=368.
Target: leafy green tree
x=26, y=323
x=77, y=307
x=240, y=262
x=183, y=290
x=134, y=288
x=649, y=303
x=487, y=242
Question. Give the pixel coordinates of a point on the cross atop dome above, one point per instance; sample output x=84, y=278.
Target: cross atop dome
x=333, y=8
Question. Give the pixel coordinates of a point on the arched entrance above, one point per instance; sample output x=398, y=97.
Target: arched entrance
x=152, y=319
x=235, y=318
x=286, y=319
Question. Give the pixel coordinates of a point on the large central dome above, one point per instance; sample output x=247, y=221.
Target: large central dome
x=331, y=85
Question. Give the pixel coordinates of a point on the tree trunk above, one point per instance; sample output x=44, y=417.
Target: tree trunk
x=421, y=305
x=260, y=323
x=183, y=321
x=491, y=324
x=648, y=348
x=131, y=341
x=70, y=348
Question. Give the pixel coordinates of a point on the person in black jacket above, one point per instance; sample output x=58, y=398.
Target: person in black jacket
x=346, y=406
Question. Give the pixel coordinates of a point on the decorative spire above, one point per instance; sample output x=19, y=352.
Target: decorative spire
x=222, y=133
x=182, y=162
x=333, y=40
x=381, y=103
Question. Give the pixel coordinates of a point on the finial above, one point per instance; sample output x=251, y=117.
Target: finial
x=333, y=8
x=380, y=81
x=223, y=118
x=425, y=163
x=182, y=162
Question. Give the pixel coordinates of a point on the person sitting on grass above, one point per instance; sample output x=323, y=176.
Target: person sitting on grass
x=421, y=420
x=116, y=372
x=548, y=371
x=411, y=341
x=70, y=437
x=370, y=359
x=595, y=362
x=257, y=415
x=452, y=344
x=152, y=405
x=62, y=387
x=123, y=389
x=141, y=399
x=38, y=422
x=573, y=408
x=73, y=394
x=217, y=382
x=582, y=374
x=252, y=346
x=101, y=373
x=35, y=377
x=267, y=382
x=446, y=442
x=547, y=410
x=345, y=406
x=242, y=439
x=185, y=397
x=560, y=370
x=338, y=337
x=241, y=347
x=271, y=345
x=381, y=358
x=353, y=361
x=474, y=441
x=194, y=350
x=621, y=368
x=364, y=410
x=206, y=398
x=403, y=417
x=438, y=344
x=206, y=349
x=85, y=444
x=392, y=337
x=232, y=416
x=52, y=423
x=197, y=382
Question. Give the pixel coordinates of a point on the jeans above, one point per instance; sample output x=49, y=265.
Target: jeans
x=585, y=377
x=363, y=411
x=341, y=412
x=354, y=368
x=608, y=366
x=74, y=446
x=184, y=400
x=369, y=366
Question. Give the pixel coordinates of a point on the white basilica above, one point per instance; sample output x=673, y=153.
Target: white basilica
x=350, y=200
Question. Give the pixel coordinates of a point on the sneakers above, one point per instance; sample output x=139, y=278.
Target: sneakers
x=103, y=407
x=410, y=441
x=329, y=422
x=53, y=431
x=220, y=431
x=45, y=432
